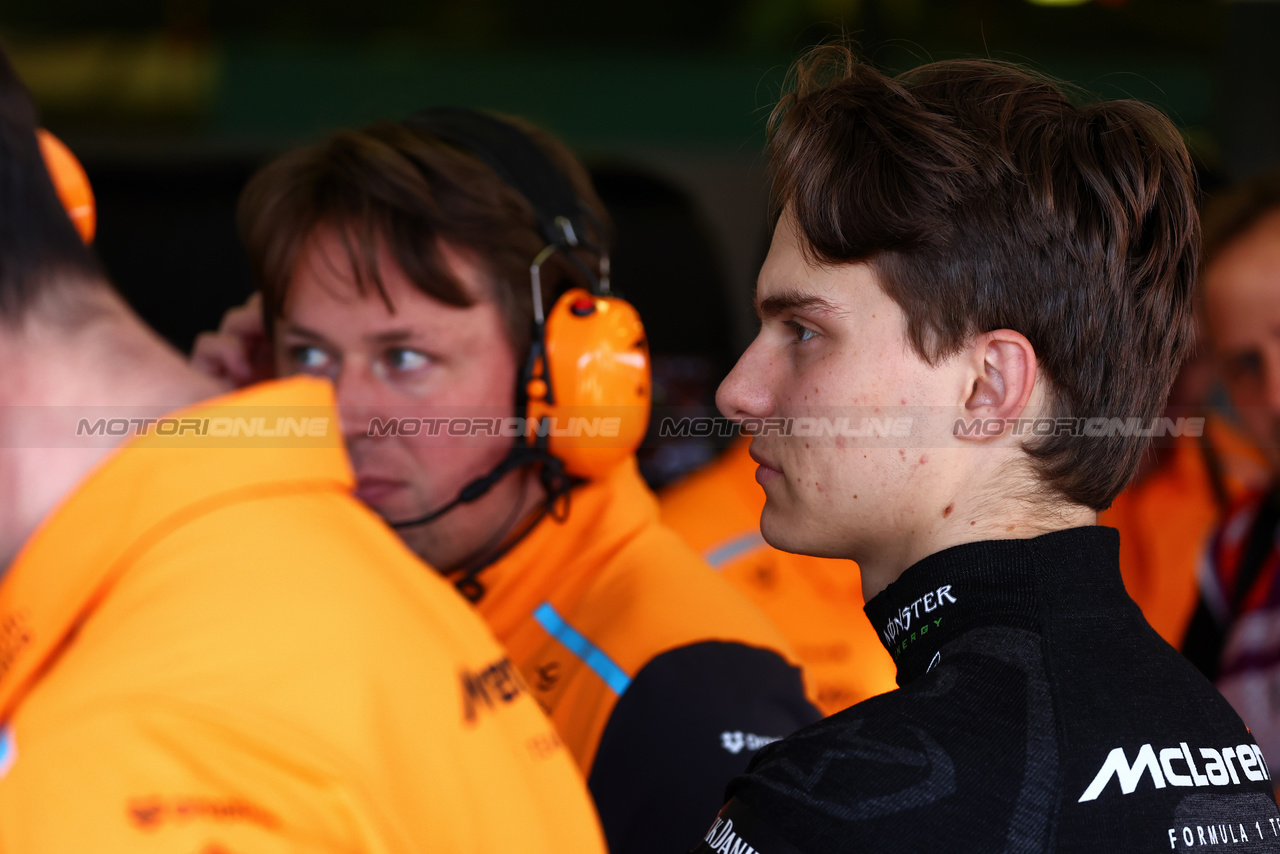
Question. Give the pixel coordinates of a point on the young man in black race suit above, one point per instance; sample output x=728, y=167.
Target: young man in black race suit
x=967, y=248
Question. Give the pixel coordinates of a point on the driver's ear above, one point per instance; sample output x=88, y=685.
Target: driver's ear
x=1002, y=376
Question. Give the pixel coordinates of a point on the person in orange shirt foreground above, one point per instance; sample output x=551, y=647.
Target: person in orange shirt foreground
x=815, y=602
x=447, y=272
x=206, y=643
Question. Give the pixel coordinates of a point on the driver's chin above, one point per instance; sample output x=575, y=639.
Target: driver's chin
x=774, y=527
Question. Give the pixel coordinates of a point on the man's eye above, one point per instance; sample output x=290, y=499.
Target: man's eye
x=802, y=332
x=310, y=359
x=402, y=359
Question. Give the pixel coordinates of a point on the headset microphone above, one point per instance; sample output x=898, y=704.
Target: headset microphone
x=552, y=475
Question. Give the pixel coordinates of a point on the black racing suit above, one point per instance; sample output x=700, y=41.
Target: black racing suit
x=1037, y=712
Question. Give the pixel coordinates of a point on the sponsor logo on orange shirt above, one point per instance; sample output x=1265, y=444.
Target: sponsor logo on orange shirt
x=149, y=813
x=496, y=685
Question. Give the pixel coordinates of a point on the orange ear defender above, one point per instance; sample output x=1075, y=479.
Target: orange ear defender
x=70, y=182
x=597, y=364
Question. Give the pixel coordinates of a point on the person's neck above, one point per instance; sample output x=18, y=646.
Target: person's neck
x=1008, y=520
x=54, y=372
x=82, y=345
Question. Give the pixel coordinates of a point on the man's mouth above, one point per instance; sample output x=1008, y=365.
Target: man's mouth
x=373, y=489
x=767, y=470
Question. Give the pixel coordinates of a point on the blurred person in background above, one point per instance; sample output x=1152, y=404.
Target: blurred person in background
x=206, y=643
x=412, y=264
x=1234, y=636
x=966, y=244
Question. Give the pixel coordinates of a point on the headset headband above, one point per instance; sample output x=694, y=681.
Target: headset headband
x=518, y=161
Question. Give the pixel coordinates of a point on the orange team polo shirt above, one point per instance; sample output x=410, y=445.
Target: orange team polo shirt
x=815, y=602
x=1166, y=517
x=584, y=603
x=211, y=647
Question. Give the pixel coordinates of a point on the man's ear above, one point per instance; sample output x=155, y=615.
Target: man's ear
x=1003, y=376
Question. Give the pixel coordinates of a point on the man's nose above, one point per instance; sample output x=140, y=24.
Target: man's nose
x=360, y=399
x=746, y=392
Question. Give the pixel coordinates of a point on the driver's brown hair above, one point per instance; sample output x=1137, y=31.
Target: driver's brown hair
x=987, y=197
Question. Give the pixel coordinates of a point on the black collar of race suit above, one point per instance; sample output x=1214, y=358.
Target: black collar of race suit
x=1013, y=583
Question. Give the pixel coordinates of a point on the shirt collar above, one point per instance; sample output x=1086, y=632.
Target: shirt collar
x=994, y=583
x=560, y=558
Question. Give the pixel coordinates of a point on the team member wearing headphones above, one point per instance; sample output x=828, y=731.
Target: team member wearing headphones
x=414, y=264
x=205, y=643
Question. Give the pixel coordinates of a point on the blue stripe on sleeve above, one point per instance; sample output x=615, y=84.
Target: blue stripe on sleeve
x=595, y=658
